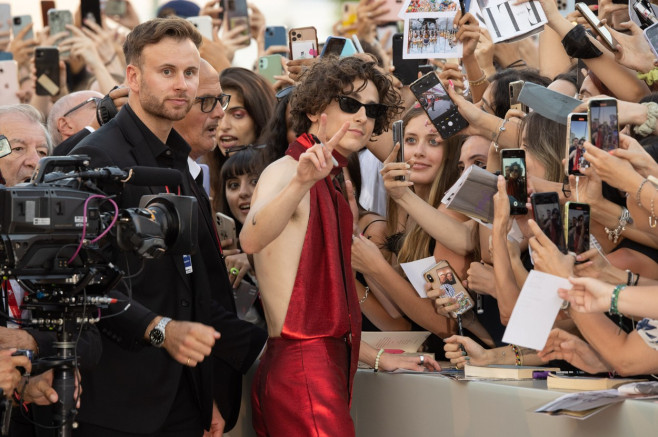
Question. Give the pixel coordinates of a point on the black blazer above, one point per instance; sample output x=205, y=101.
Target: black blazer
x=134, y=385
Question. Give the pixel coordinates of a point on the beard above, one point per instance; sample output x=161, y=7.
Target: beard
x=157, y=107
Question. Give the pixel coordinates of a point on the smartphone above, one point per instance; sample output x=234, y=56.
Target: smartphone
x=603, y=125
x=45, y=7
x=406, y=70
x=9, y=82
x=58, y=19
x=275, y=36
x=577, y=130
x=442, y=276
x=236, y=13
x=349, y=15
x=90, y=10
x=576, y=227
x=225, y=226
x=303, y=42
x=203, y=24
x=594, y=23
x=645, y=14
x=398, y=138
x=115, y=8
x=546, y=210
x=393, y=7
x=437, y=104
x=19, y=23
x=270, y=66
x=5, y=16
x=512, y=163
x=651, y=34
x=333, y=46
x=514, y=91
x=46, y=60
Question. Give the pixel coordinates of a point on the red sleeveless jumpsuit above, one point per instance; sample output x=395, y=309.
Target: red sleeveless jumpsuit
x=303, y=384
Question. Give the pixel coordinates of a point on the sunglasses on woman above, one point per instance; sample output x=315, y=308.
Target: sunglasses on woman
x=352, y=106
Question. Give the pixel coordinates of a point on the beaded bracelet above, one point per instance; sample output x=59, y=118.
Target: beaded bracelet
x=614, y=299
x=517, y=354
x=379, y=354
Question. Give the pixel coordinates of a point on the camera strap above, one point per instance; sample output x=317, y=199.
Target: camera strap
x=12, y=302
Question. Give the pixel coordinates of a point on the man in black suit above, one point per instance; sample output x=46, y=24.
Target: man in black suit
x=180, y=304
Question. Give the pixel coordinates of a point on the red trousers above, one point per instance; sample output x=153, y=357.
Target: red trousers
x=301, y=389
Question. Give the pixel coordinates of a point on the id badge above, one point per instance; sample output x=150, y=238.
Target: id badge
x=187, y=262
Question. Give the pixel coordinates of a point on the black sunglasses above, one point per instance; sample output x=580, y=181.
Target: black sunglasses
x=76, y=107
x=352, y=106
x=208, y=103
x=232, y=150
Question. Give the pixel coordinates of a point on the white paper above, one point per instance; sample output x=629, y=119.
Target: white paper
x=535, y=310
x=414, y=271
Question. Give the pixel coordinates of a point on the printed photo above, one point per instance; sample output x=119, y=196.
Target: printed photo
x=431, y=38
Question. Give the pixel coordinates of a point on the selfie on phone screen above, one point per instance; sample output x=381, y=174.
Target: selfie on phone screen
x=578, y=230
x=514, y=170
x=604, y=130
x=577, y=138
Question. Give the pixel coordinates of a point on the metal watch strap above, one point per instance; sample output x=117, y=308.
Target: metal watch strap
x=161, y=327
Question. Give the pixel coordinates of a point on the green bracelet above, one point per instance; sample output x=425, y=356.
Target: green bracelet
x=614, y=299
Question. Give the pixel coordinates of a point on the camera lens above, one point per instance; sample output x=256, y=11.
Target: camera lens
x=17, y=20
x=430, y=278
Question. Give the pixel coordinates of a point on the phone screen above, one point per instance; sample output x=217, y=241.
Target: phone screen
x=577, y=225
x=440, y=109
x=546, y=209
x=333, y=46
x=576, y=143
x=604, y=130
x=514, y=169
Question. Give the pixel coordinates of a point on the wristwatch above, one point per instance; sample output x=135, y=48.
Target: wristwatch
x=157, y=334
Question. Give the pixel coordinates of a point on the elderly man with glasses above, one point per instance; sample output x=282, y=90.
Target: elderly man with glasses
x=72, y=114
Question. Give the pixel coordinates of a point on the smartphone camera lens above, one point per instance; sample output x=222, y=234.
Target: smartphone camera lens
x=17, y=21
x=430, y=278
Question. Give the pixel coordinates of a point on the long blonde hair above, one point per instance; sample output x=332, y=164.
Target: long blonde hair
x=415, y=241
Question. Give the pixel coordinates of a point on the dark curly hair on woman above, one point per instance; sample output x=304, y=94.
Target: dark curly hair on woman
x=332, y=76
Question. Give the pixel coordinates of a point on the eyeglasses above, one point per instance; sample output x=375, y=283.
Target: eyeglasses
x=352, y=106
x=284, y=93
x=208, y=103
x=76, y=107
x=232, y=150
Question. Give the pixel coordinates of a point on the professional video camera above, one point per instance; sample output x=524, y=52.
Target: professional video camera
x=56, y=231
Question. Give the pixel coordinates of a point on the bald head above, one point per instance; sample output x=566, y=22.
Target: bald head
x=198, y=127
x=67, y=118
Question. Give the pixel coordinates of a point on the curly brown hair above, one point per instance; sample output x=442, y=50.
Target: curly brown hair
x=332, y=76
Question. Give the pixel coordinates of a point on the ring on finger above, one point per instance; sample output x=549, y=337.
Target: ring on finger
x=234, y=271
x=422, y=359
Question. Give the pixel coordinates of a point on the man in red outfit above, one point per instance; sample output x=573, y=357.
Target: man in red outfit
x=299, y=229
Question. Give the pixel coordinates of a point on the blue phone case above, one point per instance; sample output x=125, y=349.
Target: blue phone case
x=275, y=36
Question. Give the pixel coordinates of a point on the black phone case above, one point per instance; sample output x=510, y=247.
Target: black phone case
x=447, y=123
x=398, y=137
x=46, y=62
x=406, y=70
x=91, y=9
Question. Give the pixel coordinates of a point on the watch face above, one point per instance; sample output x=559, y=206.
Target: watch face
x=157, y=337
